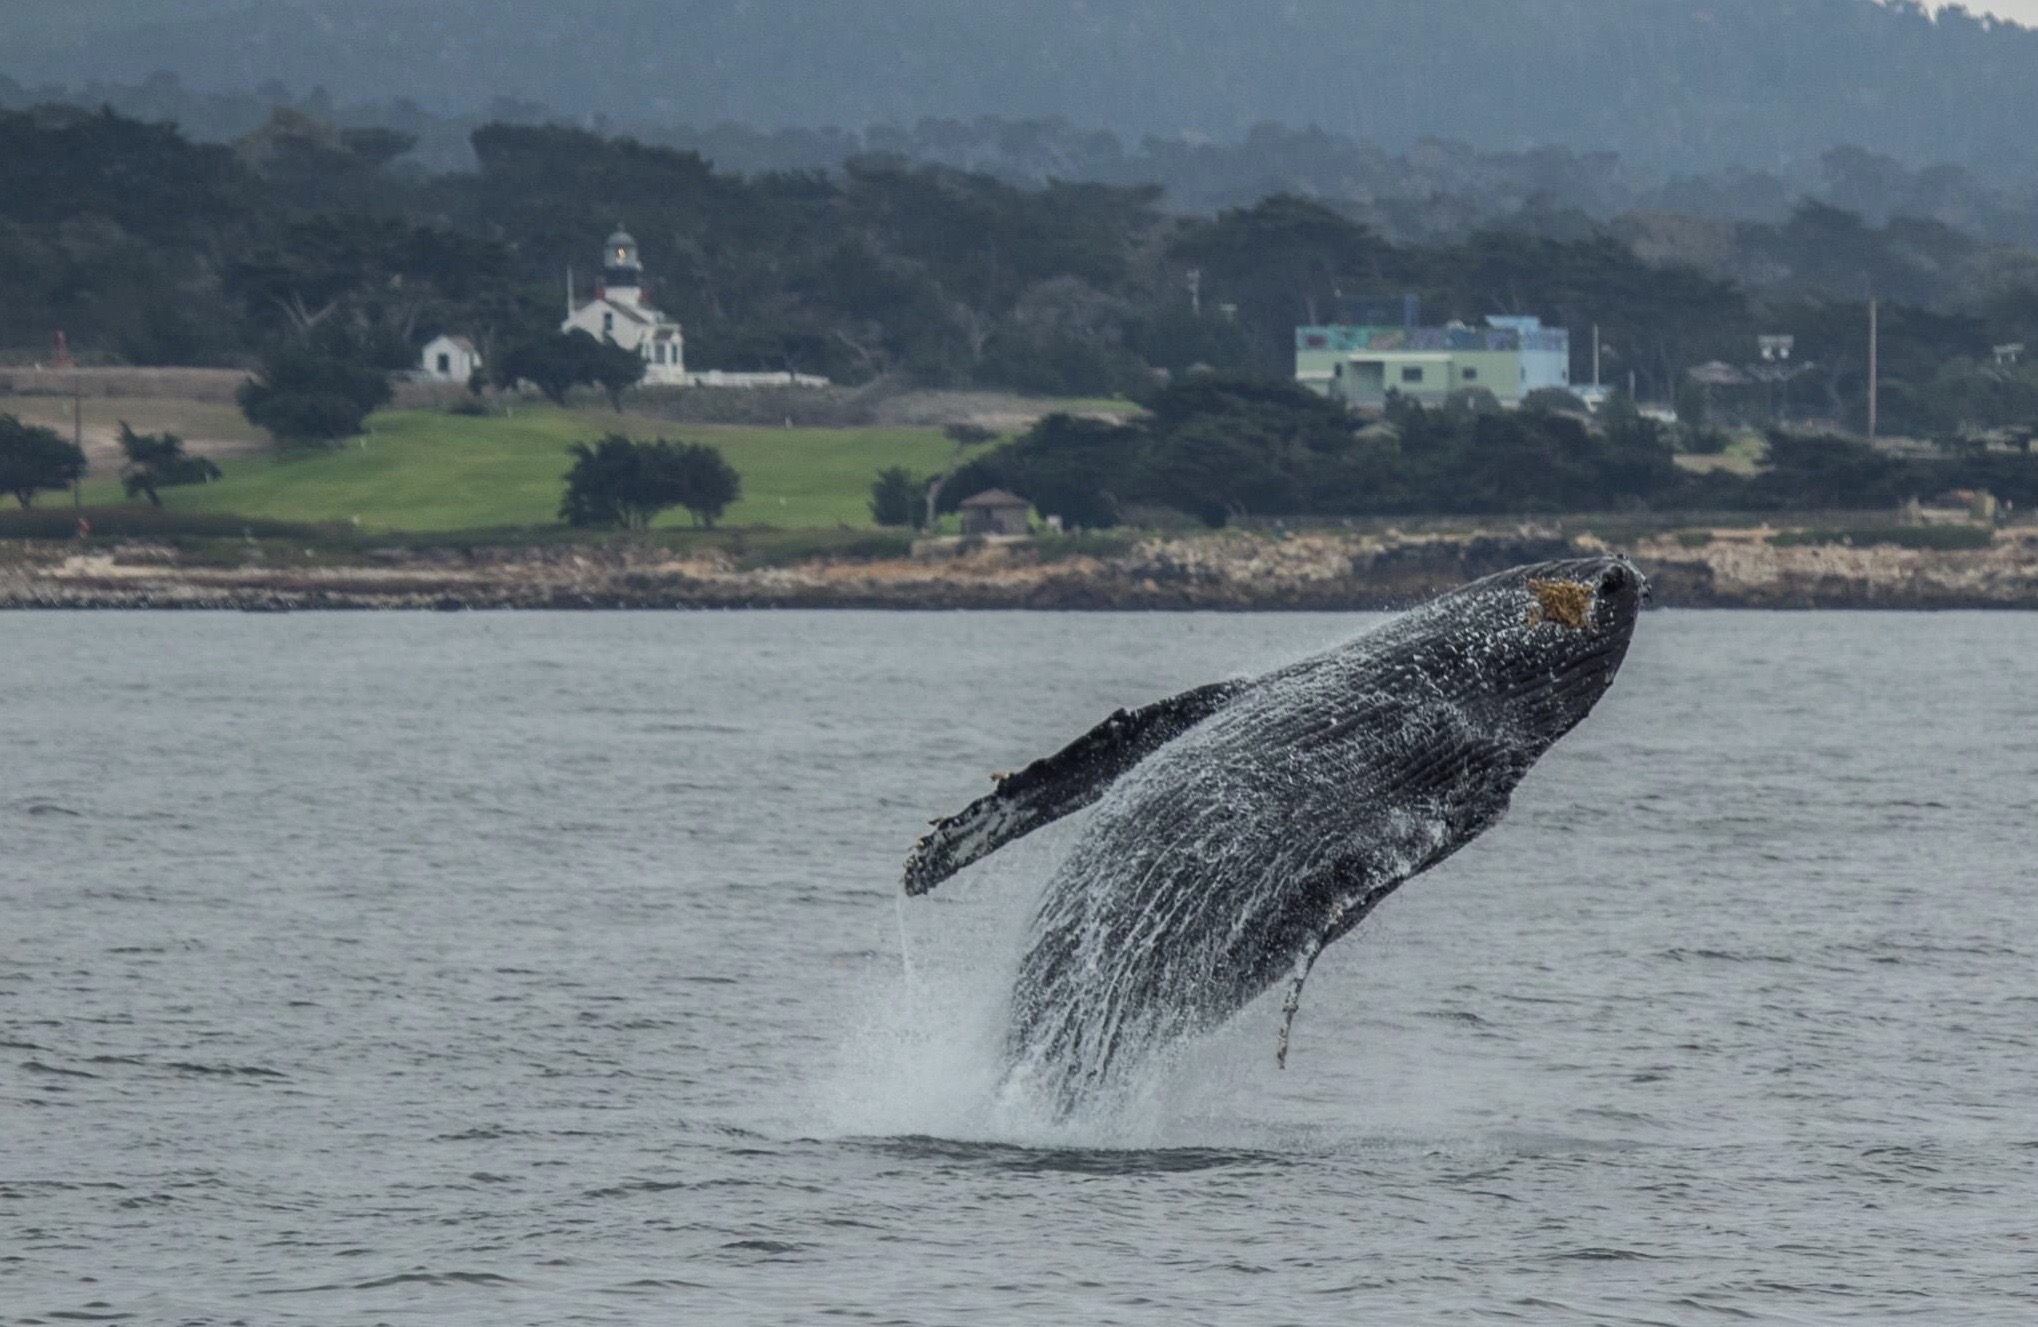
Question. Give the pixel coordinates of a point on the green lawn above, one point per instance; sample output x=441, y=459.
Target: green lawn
x=425, y=470
x=1744, y=456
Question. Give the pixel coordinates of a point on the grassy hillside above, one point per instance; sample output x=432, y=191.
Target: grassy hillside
x=426, y=470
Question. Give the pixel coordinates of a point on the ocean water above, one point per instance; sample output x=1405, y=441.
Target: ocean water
x=550, y=969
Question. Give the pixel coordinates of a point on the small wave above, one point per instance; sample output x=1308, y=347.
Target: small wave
x=224, y=1070
x=1900, y=951
x=1712, y=1305
x=87, y=1315
x=644, y=1284
x=1611, y=1113
x=435, y=1279
x=1072, y=1160
x=1598, y=1253
x=721, y=729
x=637, y=1187
x=50, y=809
x=480, y=1133
x=38, y=1067
x=1724, y=956
x=762, y=1246
x=1530, y=1143
x=146, y=1200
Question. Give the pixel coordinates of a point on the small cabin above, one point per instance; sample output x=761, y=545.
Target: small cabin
x=995, y=511
x=449, y=359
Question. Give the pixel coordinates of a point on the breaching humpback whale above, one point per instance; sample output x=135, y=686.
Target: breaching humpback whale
x=1246, y=824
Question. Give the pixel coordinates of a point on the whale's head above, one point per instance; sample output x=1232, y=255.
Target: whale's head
x=1545, y=640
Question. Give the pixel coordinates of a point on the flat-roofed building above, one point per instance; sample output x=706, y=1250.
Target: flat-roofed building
x=1509, y=357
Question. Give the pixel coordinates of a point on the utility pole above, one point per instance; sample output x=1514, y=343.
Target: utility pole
x=1872, y=382
x=77, y=434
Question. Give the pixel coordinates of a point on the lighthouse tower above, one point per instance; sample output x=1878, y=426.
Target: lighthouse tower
x=619, y=314
x=622, y=271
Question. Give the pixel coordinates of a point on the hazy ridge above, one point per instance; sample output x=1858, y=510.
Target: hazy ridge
x=1673, y=88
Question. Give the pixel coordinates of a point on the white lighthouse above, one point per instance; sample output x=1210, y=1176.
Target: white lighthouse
x=618, y=313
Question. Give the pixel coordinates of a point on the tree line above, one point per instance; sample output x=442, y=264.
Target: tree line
x=1438, y=188
x=1218, y=450
x=147, y=247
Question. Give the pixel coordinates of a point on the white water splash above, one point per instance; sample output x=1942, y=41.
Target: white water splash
x=905, y=940
x=922, y=1049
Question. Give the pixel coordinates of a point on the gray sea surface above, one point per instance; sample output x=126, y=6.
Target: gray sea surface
x=551, y=969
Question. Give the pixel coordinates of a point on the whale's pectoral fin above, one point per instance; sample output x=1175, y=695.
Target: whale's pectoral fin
x=1056, y=785
x=1293, y=1001
x=1348, y=908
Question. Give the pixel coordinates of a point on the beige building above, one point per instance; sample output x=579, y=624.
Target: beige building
x=994, y=511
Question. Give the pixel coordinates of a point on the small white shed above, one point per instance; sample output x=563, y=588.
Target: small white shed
x=449, y=359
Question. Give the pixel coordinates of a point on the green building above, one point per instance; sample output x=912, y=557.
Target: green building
x=1360, y=365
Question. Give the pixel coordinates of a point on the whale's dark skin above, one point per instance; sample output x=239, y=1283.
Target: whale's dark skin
x=1245, y=825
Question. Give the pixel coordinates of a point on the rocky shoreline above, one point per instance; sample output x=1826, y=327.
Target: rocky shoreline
x=1331, y=571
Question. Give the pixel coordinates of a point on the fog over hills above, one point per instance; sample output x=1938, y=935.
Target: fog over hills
x=1673, y=86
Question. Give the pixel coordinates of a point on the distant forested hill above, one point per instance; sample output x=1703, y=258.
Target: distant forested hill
x=1673, y=86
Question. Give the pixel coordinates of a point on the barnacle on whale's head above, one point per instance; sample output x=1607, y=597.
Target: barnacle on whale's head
x=1566, y=602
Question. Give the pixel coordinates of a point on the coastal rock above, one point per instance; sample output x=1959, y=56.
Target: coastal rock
x=1231, y=570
